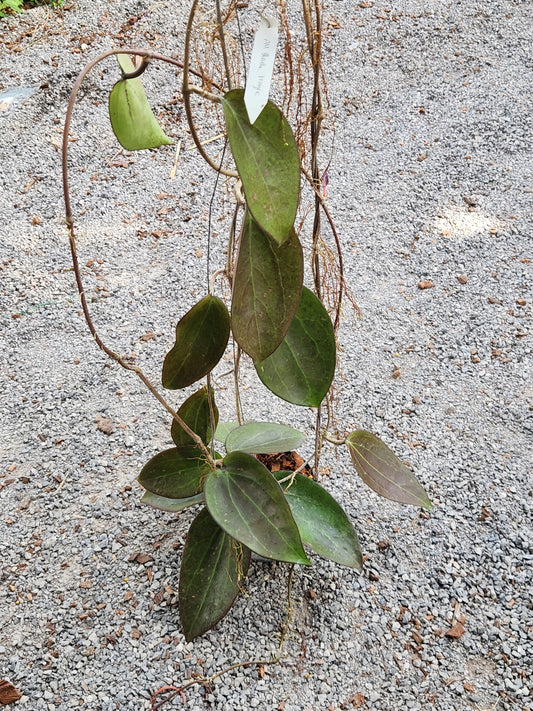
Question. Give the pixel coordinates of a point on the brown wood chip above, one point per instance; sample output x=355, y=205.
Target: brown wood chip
x=426, y=284
x=417, y=637
x=144, y=558
x=148, y=336
x=355, y=701
x=456, y=630
x=8, y=693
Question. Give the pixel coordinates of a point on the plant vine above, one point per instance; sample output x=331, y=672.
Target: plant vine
x=288, y=331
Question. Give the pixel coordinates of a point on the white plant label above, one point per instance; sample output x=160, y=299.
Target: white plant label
x=261, y=67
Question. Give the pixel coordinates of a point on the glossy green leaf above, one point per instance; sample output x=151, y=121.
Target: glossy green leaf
x=267, y=286
x=381, y=469
x=213, y=568
x=201, y=339
x=223, y=430
x=263, y=438
x=175, y=473
x=322, y=523
x=267, y=160
x=247, y=502
x=301, y=369
x=132, y=119
x=171, y=505
x=195, y=413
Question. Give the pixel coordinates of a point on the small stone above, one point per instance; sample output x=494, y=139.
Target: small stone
x=462, y=278
x=105, y=425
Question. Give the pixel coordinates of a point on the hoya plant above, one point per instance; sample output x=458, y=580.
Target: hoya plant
x=283, y=317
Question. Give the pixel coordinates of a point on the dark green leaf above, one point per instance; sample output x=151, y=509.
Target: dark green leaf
x=176, y=473
x=263, y=438
x=247, y=502
x=195, y=413
x=171, y=505
x=266, y=289
x=322, y=523
x=381, y=469
x=212, y=571
x=223, y=430
x=267, y=160
x=201, y=339
x=132, y=119
x=301, y=369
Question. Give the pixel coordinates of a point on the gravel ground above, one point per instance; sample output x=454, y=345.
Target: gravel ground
x=430, y=182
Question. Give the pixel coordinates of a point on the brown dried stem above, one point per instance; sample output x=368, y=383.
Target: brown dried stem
x=323, y=206
x=122, y=361
x=187, y=89
x=314, y=43
x=223, y=44
x=208, y=680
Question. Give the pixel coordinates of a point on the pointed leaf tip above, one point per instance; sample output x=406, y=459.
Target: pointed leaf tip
x=213, y=569
x=201, y=339
x=196, y=413
x=301, y=369
x=322, y=523
x=171, y=505
x=382, y=471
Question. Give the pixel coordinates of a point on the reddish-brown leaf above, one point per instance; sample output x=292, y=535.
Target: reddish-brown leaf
x=456, y=630
x=143, y=558
x=8, y=693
